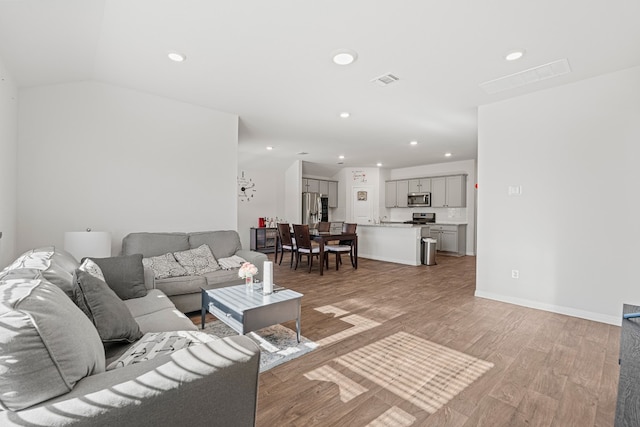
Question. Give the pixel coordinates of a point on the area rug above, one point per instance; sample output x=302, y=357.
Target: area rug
x=277, y=343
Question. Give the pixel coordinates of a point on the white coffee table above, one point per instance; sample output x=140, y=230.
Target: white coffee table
x=245, y=311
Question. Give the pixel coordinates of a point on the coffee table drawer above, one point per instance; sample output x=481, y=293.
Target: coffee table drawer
x=228, y=311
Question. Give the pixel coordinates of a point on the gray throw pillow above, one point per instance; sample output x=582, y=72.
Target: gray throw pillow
x=105, y=309
x=124, y=274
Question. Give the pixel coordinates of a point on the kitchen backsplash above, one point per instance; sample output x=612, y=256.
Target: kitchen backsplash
x=456, y=215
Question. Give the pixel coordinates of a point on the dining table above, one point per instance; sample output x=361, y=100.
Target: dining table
x=323, y=237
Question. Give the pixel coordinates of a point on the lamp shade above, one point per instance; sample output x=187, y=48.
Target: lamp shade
x=82, y=244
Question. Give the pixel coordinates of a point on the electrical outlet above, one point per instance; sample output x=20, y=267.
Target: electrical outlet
x=515, y=274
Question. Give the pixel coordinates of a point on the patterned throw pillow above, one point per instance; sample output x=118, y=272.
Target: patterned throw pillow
x=154, y=344
x=197, y=261
x=164, y=266
x=92, y=268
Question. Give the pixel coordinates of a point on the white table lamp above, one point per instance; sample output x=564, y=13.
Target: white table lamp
x=88, y=243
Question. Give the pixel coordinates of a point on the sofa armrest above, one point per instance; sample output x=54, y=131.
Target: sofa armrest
x=255, y=258
x=149, y=279
x=213, y=382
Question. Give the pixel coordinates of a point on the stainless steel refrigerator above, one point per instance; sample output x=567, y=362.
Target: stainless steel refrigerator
x=315, y=208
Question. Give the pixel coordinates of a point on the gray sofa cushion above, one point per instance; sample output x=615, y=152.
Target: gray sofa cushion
x=109, y=314
x=223, y=244
x=124, y=274
x=155, y=300
x=182, y=285
x=47, y=342
x=154, y=244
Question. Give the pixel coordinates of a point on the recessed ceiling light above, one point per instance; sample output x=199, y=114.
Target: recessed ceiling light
x=413, y=143
x=341, y=156
x=302, y=153
x=514, y=54
x=344, y=56
x=447, y=154
x=269, y=148
x=378, y=164
x=345, y=115
x=176, y=56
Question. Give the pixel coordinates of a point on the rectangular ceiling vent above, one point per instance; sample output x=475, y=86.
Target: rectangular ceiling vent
x=385, y=79
x=526, y=77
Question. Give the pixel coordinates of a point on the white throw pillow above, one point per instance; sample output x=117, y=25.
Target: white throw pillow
x=164, y=266
x=197, y=261
x=231, y=262
x=46, y=340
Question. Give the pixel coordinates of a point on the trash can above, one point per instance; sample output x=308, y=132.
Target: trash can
x=428, y=251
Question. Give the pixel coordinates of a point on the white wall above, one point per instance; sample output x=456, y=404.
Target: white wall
x=573, y=233
x=267, y=201
x=8, y=169
x=99, y=156
x=453, y=215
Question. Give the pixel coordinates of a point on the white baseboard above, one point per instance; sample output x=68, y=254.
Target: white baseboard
x=589, y=315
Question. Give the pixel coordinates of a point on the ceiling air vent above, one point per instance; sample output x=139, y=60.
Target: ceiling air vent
x=532, y=75
x=385, y=79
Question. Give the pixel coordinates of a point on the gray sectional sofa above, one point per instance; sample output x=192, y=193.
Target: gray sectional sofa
x=185, y=291
x=52, y=359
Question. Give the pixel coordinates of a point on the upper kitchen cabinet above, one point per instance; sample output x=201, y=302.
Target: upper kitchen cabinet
x=323, y=188
x=310, y=185
x=420, y=185
x=449, y=191
x=333, y=194
x=396, y=194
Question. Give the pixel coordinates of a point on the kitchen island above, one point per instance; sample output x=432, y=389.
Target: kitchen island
x=401, y=243
x=391, y=242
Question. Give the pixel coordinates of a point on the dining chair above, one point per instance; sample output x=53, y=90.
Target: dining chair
x=287, y=242
x=324, y=227
x=343, y=246
x=304, y=245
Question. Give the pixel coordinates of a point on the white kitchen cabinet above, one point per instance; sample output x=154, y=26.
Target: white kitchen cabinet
x=323, y=188
x=313, y=186
x=451, y=239
x=333, y=194
x=396, y=194
x=403, y=190
x=449, y=191
x=420, y=185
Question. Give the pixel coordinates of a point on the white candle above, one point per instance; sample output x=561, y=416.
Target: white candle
x=267, y=277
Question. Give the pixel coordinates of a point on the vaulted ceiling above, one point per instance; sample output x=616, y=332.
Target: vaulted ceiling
x=270, y=62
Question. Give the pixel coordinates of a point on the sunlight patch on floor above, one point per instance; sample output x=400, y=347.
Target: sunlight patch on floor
x=424, y=373
x=393, y=417
x=330, y=309
x=349, y=389
x=360, y=324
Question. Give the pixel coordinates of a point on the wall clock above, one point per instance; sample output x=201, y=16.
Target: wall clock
x=246, y=188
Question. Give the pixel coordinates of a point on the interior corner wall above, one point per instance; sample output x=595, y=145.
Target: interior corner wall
x=118, y=160
x=573, y=232
x=9, y=167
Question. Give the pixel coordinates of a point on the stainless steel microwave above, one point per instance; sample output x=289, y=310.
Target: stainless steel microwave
x=419, y=199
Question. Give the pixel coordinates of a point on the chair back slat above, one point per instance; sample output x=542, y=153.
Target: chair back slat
x=301, y=234
x=285, y=233
x=324, y=227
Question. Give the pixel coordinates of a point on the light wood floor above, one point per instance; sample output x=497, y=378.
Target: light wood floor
x=547, y=369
